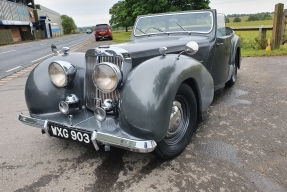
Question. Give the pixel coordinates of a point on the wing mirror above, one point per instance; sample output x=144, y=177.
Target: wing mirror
x=54, y=49
x=190, y=48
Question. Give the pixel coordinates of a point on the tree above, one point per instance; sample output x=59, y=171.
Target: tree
x=125, y=12
x=227, y=20
x=236, y=19
x=121, y=15
x=68, y=24
x=266, y=17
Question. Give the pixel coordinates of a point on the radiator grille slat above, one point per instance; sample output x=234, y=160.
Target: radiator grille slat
x=91, y=91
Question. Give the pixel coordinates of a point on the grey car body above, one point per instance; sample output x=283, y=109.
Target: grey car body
x=144, y=99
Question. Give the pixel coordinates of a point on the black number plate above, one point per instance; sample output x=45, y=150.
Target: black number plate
x=68, y=133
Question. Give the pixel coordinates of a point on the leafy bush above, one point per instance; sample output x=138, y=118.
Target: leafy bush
x=236, y=19
x=259, y=43
x=266, y=17
x=227, y=20
x=258, y=17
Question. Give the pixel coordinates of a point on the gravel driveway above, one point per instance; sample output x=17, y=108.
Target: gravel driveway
x=240, y=146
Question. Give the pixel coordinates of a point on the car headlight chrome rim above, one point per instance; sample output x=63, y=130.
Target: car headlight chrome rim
x=107, y=77
x=61, y=73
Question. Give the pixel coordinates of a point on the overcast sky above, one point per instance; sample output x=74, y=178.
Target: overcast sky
x=92, y=12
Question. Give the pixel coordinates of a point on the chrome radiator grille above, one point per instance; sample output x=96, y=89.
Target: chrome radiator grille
x=91, y=91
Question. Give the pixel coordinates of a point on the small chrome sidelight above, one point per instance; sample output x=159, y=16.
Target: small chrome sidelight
x=163, y=51
x=99, y=112
x=72, y=102
x=109, y=105
x=66, y=50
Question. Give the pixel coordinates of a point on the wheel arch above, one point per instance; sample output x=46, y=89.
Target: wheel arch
x=147, y=95
x=193, y=85
x=39, y=89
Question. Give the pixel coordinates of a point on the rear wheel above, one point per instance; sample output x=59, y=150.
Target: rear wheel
x=97, y=39
x=181, y=126
x=233, y=78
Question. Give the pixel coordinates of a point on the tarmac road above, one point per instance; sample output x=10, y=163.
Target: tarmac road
x=19, y=56
x=240, y=146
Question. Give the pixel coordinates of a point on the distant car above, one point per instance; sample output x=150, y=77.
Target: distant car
x=144, y=95
x=103, y=31
x=89, y=31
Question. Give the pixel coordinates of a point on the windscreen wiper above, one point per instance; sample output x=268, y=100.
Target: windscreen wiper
x=141, y=31
x=158, y=29
x=182, y=27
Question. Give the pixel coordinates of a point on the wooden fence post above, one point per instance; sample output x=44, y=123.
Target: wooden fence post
x=284, y=39
x=277, y=26
x=262, y=33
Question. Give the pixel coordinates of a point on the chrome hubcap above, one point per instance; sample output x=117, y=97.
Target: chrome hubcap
x=175, y=119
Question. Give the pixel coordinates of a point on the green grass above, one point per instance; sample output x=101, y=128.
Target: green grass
x=121, y=36
x=247, y=43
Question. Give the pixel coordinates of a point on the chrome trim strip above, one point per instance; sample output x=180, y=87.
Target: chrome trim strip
x=141, y=146
x=45, y=129
x=38, y=123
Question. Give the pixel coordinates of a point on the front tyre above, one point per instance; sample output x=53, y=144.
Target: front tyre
x=181, y=126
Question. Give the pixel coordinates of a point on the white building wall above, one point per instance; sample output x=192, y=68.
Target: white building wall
x=56, y=22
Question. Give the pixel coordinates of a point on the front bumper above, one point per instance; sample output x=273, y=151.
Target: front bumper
x=141, y=146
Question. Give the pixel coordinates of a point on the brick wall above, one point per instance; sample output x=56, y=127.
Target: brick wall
x=15, y=33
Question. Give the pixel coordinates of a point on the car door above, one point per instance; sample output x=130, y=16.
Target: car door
x=220, y=66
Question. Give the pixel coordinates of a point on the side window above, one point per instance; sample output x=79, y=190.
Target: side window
x=220, y=25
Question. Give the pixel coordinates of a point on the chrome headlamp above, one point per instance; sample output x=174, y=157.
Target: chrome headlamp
x=61, y=73
x=107, y=77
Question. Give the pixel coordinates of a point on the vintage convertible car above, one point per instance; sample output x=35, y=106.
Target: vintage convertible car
x=144, y=95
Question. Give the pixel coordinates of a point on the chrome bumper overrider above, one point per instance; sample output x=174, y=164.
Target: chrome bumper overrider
x=141, y=146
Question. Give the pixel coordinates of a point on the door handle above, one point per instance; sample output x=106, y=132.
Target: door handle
x=218, y=44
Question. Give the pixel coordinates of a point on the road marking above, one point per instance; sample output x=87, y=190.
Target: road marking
x=42, y=57
x=12, y=69
x=7, y=52
x=44, y=44
x=76, y=44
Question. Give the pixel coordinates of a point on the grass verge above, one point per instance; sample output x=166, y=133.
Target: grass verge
x=121, y=36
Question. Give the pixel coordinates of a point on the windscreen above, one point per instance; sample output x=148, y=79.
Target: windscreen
x=200, y=22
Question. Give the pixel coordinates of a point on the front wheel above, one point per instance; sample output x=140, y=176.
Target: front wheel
x=182, y=124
